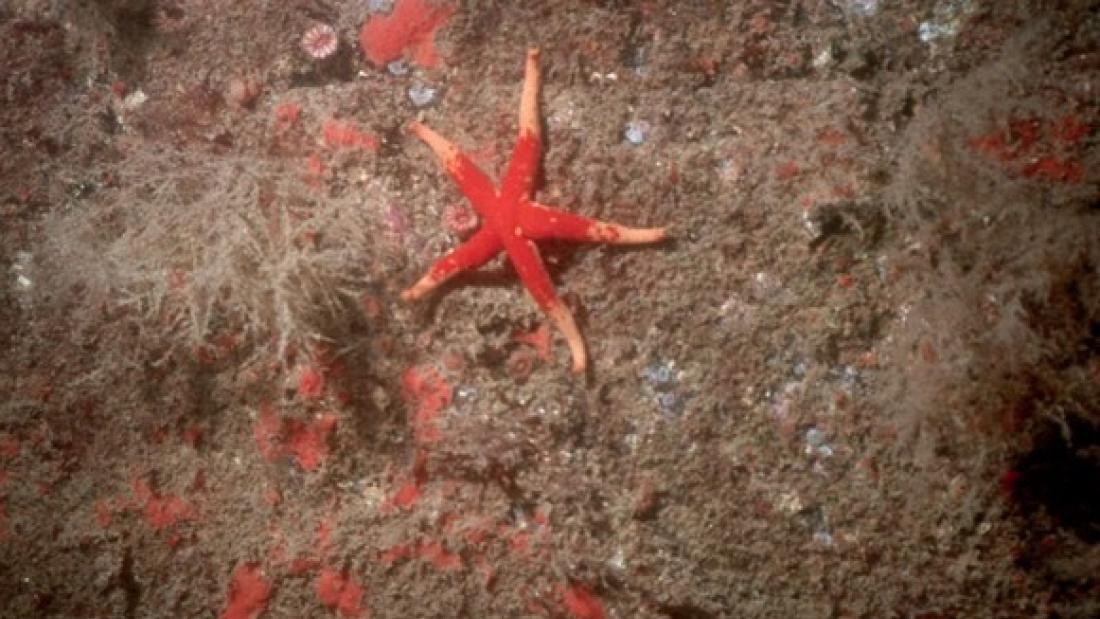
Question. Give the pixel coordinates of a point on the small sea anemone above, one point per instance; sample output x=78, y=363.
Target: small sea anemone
x=243, y=91
x=460, y=219
x=319, y=42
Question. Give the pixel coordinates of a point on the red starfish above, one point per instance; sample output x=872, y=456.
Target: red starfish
x=513, y=221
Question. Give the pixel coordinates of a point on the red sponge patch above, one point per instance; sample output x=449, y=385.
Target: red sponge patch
x=339, y=591
x=580, y=602
x=345, y=134
x=411, y=26
x=307, y=442
x=248, y=593
x=161, y=511
x=429, y=393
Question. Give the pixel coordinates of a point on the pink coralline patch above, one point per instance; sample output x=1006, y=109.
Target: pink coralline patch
x=311, y=383
x=994, y=145
x=344, y=134
x=787, y=171
x=580, y=602
x=103, y=513
x=308, y=442
x=406, y=496
x=410, y=27
x=432, y=551
x=192, y=435
x=520, y=543
x=831, y=136
x=339, y=591
x=315, y=171
x=303, y=565
x=409, y=492
x=396, y=553
x=443, y=559
x=1008, y=145
x=531, y=542
x=324, y=533
x=429, y=393
x=1054, y=169
x=9, y=446
x=1070, y=129
x=1035, y=148
x=287, y=116
x=844, y=190
x=161, y=511
x=248, y=593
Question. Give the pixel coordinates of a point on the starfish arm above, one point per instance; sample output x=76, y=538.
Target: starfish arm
x=519, y=180
x=525, y=258
x=563, y=318
x=473, y=183
x=538, y=221
x=475, y=252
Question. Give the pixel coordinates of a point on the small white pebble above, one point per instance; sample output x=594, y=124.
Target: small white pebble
x=815, y=437
x=789, y=503
x=931, y=31
x=379, y=6
x=422, y=95
x=864, y=8
x=134, y=100
x=398, y=67
x=618, y=561
x=636, y=132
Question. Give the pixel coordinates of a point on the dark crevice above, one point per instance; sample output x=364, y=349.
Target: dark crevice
x=1060, y=476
